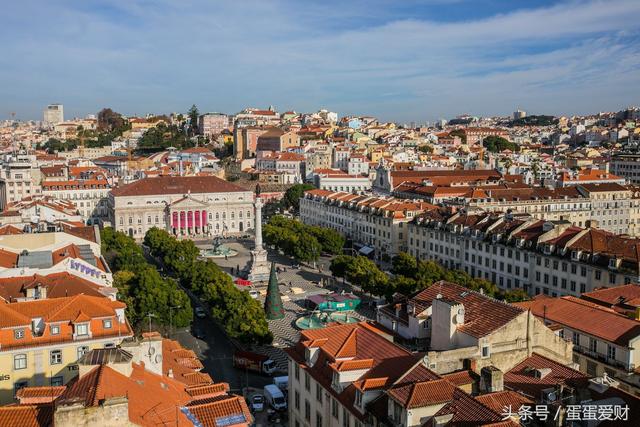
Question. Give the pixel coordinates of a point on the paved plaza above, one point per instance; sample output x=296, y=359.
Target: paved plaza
x=295, y=285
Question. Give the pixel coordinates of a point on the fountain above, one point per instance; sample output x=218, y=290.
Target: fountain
x=218, y=250
x=320, y=319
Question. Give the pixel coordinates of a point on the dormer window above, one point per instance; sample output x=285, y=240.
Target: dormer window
x=106, y=323
x=575, y=255
x=358, y=398
x=55, y=329
x=82, y=329
x=18, y=334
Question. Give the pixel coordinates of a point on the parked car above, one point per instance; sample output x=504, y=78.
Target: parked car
x=295, y=265
x=254, y=294
x=257, y=403
x=200, y=313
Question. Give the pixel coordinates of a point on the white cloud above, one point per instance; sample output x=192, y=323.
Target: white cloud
x=163, y=55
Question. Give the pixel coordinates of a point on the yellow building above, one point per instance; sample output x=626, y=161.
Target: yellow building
x=41, y=340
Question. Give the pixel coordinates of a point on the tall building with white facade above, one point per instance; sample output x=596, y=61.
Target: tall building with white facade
x=54, y=114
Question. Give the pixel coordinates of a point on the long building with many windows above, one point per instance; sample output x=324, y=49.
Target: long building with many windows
x=373, y=223
x=520, y=252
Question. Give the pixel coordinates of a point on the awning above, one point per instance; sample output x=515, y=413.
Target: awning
x=366, y=250
x=243, y=282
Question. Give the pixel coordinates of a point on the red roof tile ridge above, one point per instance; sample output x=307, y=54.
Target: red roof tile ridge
x=349, y=346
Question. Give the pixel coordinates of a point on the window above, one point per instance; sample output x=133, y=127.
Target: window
x=307, y=381
x=296, y=400
x=318, y=393
x=318, y=419
x=20, y=361
x=345, y=418
x=576, y=338
x=598, y=274
x=593, y=345
x=358, y=398
x=106, y=323
x=82, y=350
x=334, y=408
x=82, y=329
x=485, y=351
x=611, y=352
x=296, y=370
x=57, y=381
x=18, y=334
x=55, y=357
x=307, y=410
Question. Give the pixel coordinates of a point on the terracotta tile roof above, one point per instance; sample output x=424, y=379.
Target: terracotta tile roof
x=390, y=360
x=8, y=259
x=26, y=416
x=419, y=394
x=585, y=316
x=352, y=365
x=216, y=414
x=628, y=295
x=177, y=185
x=521, y=377
x=476, y=305
x=502, y=399
x=36, y=395
x=152, y=398
x=461, y=377
x=183, y=364
x=9, y=229
x=57, y=285
x=468, y=411
x=207, y=390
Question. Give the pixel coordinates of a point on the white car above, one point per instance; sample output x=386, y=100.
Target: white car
x=254, y=294
x=200, y=313
x=257, y=403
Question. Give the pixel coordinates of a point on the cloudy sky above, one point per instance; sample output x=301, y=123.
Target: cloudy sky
x=402, y=60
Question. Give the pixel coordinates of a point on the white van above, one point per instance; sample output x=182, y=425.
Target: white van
x=282, y=382
x=274, y=397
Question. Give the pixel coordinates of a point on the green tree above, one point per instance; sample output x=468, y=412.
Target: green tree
x=330, y=240
x=404, y=264
x=496, y=144
x=365, y=273
x=193, y=119
x=294, y=193
x=307, y=249
x=516, y=295
x=339, y=265
x=403, y=285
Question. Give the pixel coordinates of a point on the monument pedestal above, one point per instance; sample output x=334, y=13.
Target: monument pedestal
x=259, y=271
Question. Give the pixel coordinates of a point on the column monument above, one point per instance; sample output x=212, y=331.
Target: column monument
x=259, y=269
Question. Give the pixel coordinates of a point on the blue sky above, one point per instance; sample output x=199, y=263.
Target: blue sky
x=401, y=60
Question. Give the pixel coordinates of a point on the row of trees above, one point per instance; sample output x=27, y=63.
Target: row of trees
x=495, y=144
x=303, y=242
x=140, y=285
x=411, y=275
x=241, y=316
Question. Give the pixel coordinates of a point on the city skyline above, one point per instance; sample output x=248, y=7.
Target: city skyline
x=417, y=61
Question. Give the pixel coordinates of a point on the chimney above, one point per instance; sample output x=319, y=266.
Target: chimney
x=491, y=379
x=170, y=373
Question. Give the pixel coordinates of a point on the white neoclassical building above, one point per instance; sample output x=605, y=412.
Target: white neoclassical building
x=183, y=205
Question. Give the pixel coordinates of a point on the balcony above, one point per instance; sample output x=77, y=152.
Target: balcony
x=626, y=367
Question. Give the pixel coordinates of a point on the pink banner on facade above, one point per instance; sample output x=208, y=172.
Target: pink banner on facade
x=204, y=218
x=196, y=215
x=190, y=219
x=174, y=220
x=182, y=219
